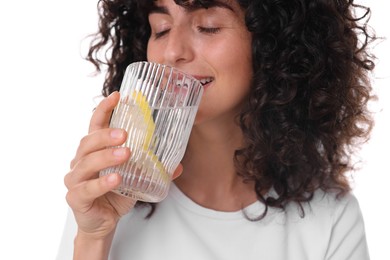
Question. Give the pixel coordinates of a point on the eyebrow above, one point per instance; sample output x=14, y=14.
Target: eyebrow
x=158, y=10
x=191, y=8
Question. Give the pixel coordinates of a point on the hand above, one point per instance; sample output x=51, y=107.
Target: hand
x=97, y=210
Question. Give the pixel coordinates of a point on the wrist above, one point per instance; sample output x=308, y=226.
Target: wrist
x=90, y=247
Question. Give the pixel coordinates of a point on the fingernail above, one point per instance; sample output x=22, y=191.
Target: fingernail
x=116, y=133
x=112, y=93
x=111, y=178
x=119, y=151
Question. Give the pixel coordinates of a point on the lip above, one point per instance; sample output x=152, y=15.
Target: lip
x=207, y=85
x=200, y=78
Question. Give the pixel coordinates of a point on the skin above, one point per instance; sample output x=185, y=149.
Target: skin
x=217, y=46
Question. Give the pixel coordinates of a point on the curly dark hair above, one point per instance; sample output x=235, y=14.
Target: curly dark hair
x=307, y=111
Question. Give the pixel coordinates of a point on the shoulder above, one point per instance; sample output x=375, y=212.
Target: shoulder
x=334, y=205
x=324, y=207
x=334, y=221
x=327, y=211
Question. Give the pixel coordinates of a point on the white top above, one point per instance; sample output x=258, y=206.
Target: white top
x=332, y=229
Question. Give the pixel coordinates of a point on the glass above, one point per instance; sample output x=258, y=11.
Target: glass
x=157, y=108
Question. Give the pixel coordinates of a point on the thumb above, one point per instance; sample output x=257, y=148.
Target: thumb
x=178, y=171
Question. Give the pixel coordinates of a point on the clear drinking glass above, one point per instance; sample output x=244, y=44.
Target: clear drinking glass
x=157, y=108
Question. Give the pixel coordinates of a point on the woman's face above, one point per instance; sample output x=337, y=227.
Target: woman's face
x=211, y=44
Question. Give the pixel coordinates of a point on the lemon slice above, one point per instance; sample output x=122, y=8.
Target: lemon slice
x=146, y=112
x=150, y=159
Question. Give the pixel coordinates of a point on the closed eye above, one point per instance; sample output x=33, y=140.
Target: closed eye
x=158, y=35
x=210, y=30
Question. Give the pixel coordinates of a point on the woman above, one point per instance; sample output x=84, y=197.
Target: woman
x=265, y=171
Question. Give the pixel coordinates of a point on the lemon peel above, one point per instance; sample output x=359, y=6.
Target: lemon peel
x=146, y=112
x=150, y=159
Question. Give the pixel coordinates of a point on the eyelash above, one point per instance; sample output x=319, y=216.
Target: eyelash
x=210, y=30
x=160, y=34
x=207, y=30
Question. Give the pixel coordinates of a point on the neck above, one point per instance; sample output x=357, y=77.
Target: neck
x=209, y=177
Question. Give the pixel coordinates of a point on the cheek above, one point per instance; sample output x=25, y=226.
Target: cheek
x=238, y=68
x=152, y=53
x=233, y=54
x=243, y=63
x=149, y=52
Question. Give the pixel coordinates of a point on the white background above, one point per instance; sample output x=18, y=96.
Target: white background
x=46, y=102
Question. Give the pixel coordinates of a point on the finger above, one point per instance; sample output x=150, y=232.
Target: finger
x=81, y=197
x=99, y=140
x=101, y=116
x=88, y=167
x=177, y=172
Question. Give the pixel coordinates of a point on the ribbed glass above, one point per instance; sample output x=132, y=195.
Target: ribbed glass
x=157, y=108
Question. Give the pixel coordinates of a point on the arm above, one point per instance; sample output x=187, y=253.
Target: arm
x=96, y=210
x=86, y=247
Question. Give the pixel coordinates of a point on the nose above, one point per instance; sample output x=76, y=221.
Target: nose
x=178, y=48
